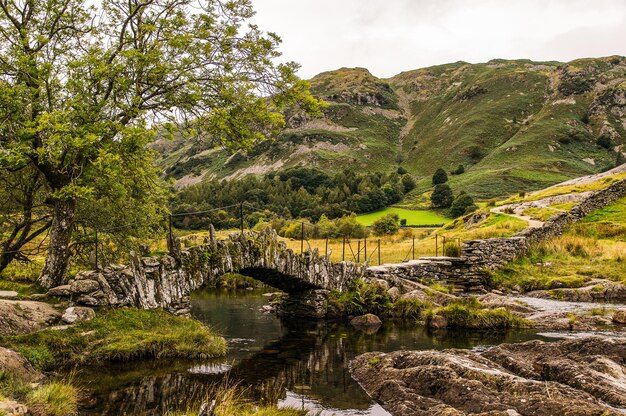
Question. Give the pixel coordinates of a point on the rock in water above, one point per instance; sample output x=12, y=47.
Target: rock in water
x=580, y=377
x=366, y=320
x=78, y=314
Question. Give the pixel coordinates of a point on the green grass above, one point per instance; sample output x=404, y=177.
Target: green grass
x=54, y=399
x=413, y=217
x=119, y=335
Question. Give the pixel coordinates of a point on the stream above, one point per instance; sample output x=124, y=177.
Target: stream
x=295, y=363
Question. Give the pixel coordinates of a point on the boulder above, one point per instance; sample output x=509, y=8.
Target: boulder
x=13, y=363
x=8, y=294
x=78, y=314
x=366, y=320
x=577, y=377
x=81, y=287
x=620, y=316
x=394, y=293
x=23, y=317
x=60, y=291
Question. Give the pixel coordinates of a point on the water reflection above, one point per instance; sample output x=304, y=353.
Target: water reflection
x=289, y=362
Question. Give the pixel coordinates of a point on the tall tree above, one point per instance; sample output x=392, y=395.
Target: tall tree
x=81, y=89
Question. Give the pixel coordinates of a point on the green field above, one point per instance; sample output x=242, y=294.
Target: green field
x=413, y=217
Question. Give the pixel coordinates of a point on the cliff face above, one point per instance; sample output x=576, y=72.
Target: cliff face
x=514, y=125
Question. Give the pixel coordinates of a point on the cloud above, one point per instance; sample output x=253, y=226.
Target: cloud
x=390, y=36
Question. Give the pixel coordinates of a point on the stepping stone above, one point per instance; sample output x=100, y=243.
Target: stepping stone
x=8, y=294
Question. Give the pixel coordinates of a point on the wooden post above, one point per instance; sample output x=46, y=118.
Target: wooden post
x=343, y=250
x=302, y=238
x=443, y=245
x=413, y=247
x=379, y=251
x=97, y=268
x=358, y=251
x=326, y=249
x=365, y=250
x=436, y=245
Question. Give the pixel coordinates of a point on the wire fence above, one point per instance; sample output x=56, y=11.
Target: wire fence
x=352, y=249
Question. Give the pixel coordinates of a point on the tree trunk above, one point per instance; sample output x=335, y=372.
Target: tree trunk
x=58, y=257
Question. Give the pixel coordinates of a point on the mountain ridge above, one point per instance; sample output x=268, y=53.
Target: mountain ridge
x=515, y=125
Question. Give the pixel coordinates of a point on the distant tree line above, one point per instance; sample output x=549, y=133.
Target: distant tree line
x=295, y=193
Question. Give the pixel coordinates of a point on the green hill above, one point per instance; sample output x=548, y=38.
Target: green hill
x=514, y=125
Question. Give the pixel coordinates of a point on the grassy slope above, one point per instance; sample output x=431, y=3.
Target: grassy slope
x=511, y=123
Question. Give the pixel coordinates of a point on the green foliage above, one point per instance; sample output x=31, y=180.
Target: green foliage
x=401, y=170
x=362, y=298
x=440, y=177
x=408, y=183
x=420, y=217
x=442, y=196
x=605, y=142
x=462, y=204
x=459, y=170
x=408, y=308
x=386, y=225
x=120, y=335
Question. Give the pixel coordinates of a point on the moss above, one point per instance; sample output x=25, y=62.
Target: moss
x=120, y=335
x=374, y=361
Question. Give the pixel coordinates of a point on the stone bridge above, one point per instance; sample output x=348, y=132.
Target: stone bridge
x=167, y=281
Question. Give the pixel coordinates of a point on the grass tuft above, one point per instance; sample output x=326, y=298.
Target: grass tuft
x=54, y=399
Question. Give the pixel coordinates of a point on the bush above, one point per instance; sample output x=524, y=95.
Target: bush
x=442, y=196
x=459, y=170
x=350, y=227
x=387, y=224
x=403, y=222
x=462, y=203
x=408, y=183
x=605, y=142
x=401, y=170
x=440, y=177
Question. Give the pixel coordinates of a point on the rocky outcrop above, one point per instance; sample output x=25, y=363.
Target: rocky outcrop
x=581, y=377
x=593, y=291
x=23, y=317
x=619, y=317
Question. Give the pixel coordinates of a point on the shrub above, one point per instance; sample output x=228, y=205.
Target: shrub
x=442, y=196
x=451, y=249
x=401, y=170
x=408, y=183
x=605, y=142
x=440, y=177
x=403, y=222
x=362, y=298
x=350, y=227
x=461, y=204
x=387, y=224
x=459, y=170
x=475, y=153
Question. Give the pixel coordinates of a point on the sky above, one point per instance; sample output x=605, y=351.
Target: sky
x=391, y=36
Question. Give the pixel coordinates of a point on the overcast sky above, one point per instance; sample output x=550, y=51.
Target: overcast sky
x=391, y=36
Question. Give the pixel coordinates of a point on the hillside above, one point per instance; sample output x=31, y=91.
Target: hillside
x=514, y=125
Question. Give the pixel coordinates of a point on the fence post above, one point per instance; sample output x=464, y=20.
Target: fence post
x=436, y=245
x=379, y=251
x=302, y=238
x=241, y=216
x=365, y=250
x=358, y=251
x=413, y=248
x=343, y=249
x=326, y=248
x=97, y=268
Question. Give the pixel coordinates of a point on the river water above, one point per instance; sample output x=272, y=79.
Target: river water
x=289, y=362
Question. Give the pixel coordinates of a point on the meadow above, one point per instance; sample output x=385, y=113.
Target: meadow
x=413, y=217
